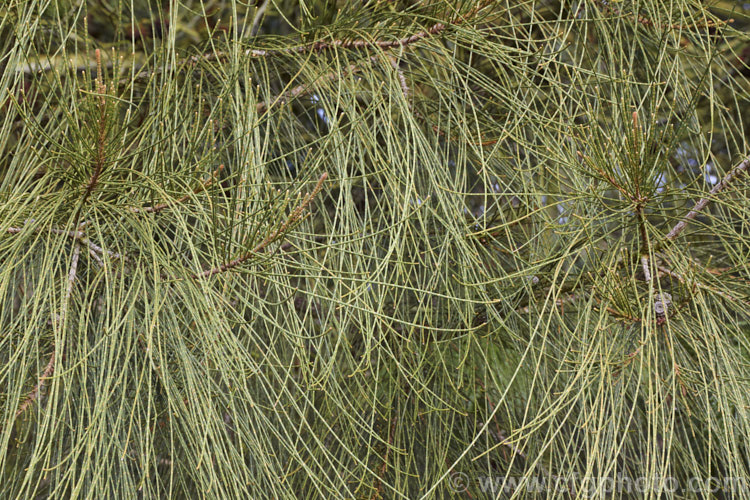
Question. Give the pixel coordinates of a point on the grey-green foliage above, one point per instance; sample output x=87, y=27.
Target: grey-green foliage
x=475, y=292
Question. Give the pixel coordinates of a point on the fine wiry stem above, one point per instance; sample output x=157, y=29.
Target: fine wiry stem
x=698, y=284
x=733, y=174
x=292, y=219
x=162, y=206
x=341, y=44
x=34, y=394
x=301, y=90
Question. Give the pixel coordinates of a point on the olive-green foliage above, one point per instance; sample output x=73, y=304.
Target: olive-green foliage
x=384, y=249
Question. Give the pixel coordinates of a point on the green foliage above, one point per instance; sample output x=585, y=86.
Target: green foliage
x=384, y=249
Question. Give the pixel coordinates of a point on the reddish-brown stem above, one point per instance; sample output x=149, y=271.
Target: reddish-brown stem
x=101, y=139
x=607, y=177
x=274, y=235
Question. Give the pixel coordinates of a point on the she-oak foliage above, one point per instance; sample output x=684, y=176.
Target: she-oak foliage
x=374, y=249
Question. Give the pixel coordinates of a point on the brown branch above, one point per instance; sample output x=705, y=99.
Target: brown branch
x=34, y=394
x=294, y=217
x=733, y=174
x=320, y=46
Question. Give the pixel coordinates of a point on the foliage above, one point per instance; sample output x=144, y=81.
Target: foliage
x=384, y=249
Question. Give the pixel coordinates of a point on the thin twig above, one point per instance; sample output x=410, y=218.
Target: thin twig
x=292, y=219
x=34, y=394
x=35, y=391
x=73, y=234
x=162, y=206
x=645, y=21
x=734, y=173
x=698, y=284
x=96, y=248
x=320, y=46
x=401, y=78
x=96, y=257
x=617, y=313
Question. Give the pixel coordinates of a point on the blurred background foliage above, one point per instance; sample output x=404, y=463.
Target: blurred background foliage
x=373, y=249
